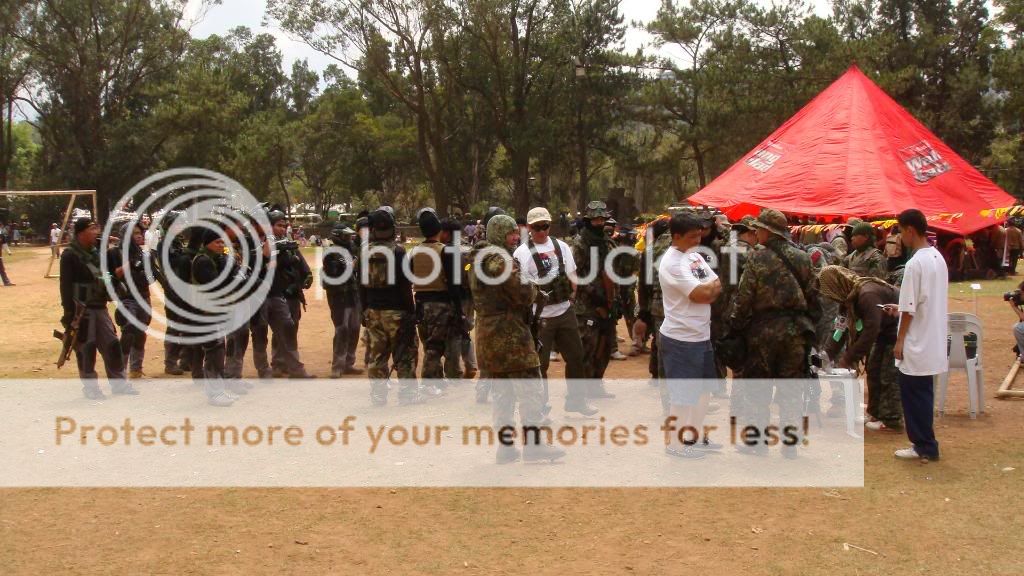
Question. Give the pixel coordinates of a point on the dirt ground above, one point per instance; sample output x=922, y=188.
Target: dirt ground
x=961, y=514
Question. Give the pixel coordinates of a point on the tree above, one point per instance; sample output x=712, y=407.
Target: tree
x=94, y=61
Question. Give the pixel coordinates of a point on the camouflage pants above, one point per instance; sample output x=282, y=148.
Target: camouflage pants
x=435, y=326
x=776, y=350
x=884, y=401
x=382, y=332
x=522, y=387
x=595, y=334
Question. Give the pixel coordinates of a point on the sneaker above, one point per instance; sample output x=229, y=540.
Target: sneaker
x=507, y=455
x=554, y=357
x=581, y=408
x=221, y=400
x=137, y=375
x=411, y=400
x=907, y=454
x=706, y=444
x=686, y=453
x=431, y=391
x=94, y=394
x=538, y=452
x=618, y=355
x=879, y=426
x=173, y=371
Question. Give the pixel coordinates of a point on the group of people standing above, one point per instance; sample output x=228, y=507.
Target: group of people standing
x=521, y=295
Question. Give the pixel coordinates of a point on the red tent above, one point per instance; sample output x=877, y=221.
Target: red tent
x=853, y=151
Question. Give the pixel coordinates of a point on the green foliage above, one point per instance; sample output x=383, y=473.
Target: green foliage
x=465, y=104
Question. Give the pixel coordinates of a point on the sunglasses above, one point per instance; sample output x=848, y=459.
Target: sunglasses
x=540, y=227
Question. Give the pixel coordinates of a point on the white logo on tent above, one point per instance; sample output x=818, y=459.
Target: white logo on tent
x=763, y=159
x=923, y=161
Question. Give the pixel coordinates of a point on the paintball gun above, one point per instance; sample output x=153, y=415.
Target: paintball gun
x=69, y=336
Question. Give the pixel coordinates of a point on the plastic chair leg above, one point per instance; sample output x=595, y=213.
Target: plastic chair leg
x=972, y=389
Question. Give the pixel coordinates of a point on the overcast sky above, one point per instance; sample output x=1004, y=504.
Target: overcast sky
x=232, y=13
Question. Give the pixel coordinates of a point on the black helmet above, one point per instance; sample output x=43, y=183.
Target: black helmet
x=491, y=213
x=430, y=224
x=381, y=219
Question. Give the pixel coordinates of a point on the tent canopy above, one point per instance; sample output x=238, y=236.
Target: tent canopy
x=853, y=151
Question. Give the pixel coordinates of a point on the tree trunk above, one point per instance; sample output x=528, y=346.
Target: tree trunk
x=521, y=181
x=698, y=158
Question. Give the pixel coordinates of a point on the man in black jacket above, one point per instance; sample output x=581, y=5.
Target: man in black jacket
x=81, y=282
x=285, y=300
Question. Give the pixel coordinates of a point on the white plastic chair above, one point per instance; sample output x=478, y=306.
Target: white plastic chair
x=961, y=324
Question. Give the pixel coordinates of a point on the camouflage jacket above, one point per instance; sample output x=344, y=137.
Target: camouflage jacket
x=768, y=289
x=502, y=333
x=661, y=245
x=599, y=291
x=737, y=254
x=867, y=262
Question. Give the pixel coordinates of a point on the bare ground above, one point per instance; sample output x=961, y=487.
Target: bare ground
x=957, y=515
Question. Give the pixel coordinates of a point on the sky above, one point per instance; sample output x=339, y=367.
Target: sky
x=232, y=13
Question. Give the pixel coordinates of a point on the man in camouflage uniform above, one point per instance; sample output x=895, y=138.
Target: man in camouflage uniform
x=650, y=303
x=340, y=277
x=511, y=363
x=595, y=296
x=459, y=350
x=438, y=306
x=776, y=306
x=390, y=316
x=483, y=385
x=628, y=265
x=733, y=260
x=864, y=259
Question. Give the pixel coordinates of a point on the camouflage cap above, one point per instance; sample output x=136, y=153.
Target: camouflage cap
x=863, y=229
x=746, y=224
x=773, y=221
x=597, y=209
x=852, y=222
x=500, y=226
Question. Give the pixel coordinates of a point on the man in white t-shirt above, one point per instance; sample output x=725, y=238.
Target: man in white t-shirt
x=920, y=349
x=55, y=233
x=688, y=287
x=548, y=262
